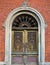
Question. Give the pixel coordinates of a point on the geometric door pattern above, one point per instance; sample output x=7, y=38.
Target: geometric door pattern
x=24, y=47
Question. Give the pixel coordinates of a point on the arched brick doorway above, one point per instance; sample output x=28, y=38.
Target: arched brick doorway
x=41, y=36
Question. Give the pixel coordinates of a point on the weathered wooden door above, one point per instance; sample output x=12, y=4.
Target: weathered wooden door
x=24, y=47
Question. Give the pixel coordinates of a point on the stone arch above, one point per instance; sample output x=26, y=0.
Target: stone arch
x=41, y=35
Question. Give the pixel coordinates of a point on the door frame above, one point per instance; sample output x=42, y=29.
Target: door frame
x=41, y=36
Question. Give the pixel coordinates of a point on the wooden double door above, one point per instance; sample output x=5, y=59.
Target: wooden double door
x=24, y=47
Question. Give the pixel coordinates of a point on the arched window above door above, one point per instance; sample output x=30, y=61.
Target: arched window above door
x=25, y=20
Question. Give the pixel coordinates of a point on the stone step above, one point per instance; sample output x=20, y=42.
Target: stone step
x=32, y=63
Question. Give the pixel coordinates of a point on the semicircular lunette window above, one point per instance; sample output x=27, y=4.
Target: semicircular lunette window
x=24, y=20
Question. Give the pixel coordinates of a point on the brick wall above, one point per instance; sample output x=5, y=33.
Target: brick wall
x=43, y=6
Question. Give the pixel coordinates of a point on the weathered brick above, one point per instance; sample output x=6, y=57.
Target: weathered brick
x=43, y=6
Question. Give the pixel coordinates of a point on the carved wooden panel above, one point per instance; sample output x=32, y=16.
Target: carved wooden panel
x=18, y=41
x=17, y=59
x=25, y=41
x=32, y=58
x=32, y=39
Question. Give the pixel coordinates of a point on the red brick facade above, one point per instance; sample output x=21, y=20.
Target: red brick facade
x=43, y=6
